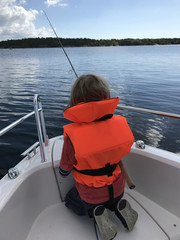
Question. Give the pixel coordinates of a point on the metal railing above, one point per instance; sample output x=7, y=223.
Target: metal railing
x=40, y=123
x=144, y=110
x=14, y=124
x=41, y=129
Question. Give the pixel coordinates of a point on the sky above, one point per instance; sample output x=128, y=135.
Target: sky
x=96, y=19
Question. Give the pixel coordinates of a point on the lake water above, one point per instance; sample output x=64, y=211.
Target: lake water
x=142, y=76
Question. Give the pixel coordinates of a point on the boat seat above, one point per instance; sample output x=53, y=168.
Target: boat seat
x=59, y=222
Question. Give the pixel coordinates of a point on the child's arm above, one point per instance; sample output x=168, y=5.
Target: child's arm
x=67, y=158
x=63, y=172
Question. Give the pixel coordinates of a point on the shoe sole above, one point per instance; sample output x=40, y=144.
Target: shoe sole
x=126, y=214
x=107, y=228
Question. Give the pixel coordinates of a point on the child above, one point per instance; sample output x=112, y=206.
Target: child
x=94, y=144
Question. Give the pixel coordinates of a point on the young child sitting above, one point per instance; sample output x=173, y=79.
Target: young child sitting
x=94, y=144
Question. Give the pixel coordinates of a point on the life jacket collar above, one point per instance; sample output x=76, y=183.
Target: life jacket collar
x=91, y=111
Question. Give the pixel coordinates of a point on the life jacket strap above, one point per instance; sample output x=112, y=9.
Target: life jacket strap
x=111, y=194
x=107, y=170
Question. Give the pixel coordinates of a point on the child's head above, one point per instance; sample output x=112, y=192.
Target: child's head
x=88, y=88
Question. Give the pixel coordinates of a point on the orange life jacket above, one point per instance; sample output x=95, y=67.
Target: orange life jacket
x=98, y=145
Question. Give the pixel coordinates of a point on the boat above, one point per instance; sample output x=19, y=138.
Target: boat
x=32, y=193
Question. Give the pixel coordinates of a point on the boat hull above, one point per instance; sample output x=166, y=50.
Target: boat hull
x=32, y=205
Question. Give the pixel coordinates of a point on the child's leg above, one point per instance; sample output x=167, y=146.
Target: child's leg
x=107, y=228
x=76, y=204
x=126, y=214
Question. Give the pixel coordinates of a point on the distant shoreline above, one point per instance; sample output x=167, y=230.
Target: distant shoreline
x=84, y=42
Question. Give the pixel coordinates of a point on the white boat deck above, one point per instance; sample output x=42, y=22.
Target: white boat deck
x=58, y=222
x=31, y=206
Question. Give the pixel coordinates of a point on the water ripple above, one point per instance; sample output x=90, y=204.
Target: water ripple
x=142, y=76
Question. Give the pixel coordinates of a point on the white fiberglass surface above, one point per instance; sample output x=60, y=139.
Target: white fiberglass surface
x=58, y=222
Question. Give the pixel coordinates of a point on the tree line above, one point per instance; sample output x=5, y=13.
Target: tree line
x=84, y=42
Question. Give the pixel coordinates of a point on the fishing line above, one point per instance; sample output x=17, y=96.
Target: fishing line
x=60, y=43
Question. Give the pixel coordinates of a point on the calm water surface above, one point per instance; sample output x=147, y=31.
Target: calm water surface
x=142, y=76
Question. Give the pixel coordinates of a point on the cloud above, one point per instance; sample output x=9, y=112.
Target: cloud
x=22, y=1
x=55, y=3
x=17, y=22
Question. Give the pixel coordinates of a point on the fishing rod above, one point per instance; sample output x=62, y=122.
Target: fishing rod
x=126, y=175
x=61, y=45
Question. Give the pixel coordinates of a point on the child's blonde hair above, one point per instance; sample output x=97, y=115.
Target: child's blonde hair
x=88, y=88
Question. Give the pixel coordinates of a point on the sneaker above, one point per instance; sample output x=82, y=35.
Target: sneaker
x=126, y=214
x=107, y=228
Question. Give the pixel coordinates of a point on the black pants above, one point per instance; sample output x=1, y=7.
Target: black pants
x=80, y=207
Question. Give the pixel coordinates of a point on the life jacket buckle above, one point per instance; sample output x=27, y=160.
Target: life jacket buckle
x=109, y=169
